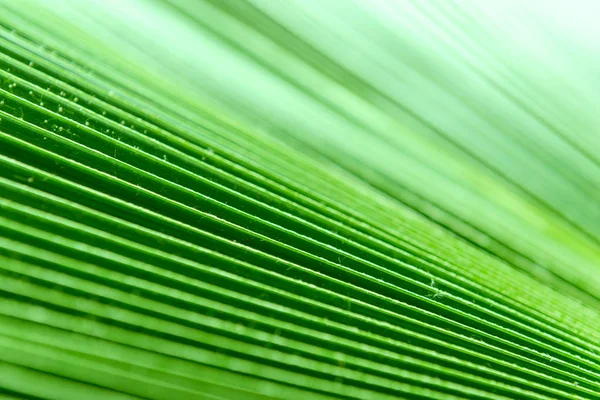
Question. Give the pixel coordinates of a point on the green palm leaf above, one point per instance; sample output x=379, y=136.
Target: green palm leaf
x=298, y=200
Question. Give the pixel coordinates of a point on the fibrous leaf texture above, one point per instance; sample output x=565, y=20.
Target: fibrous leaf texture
x=299, y=199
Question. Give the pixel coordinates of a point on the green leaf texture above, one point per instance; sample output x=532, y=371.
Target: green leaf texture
x=299, y=199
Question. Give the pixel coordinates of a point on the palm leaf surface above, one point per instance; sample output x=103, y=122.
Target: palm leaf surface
x=296, y=200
